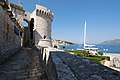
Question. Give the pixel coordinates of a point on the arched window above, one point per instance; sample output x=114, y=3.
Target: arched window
x=44, y=37
x=25, y=23
x=37, y=12
x=25, y=14
x=42, y=12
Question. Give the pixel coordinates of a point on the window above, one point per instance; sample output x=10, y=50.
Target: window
x=37, y=12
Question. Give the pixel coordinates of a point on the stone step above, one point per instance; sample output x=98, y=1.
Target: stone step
x=25, y=65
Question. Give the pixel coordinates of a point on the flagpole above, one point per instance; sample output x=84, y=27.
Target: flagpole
x=39, y=2
x=18, y=2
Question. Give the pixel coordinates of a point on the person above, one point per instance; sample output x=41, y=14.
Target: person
x=31, y=32
x=31, y=28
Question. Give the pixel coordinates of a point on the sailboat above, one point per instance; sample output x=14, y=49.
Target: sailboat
x=90, y=48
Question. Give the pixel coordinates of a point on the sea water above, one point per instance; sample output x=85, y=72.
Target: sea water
x=106, y=48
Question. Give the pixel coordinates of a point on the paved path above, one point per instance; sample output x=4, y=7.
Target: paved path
x=25, y=65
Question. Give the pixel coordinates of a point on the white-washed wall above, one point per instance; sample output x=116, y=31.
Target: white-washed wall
x=42, y=24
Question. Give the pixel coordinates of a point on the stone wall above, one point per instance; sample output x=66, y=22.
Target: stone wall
x=18, y=13
x=26, y=17
x=115, y=62
x=60, y=65
x=47, y=63
x=9, y=41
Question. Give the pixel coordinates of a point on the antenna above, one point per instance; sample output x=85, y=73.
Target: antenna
x=39, y=2
x=18, y=1
x=85, y=34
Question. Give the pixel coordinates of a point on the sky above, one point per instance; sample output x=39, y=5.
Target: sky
x=102, y=17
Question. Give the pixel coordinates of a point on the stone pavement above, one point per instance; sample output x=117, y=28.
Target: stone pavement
x=25, y=65
x=83, y=69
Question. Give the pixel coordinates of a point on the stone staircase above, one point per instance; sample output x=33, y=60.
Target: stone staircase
x=25, y=65
x=41, y=63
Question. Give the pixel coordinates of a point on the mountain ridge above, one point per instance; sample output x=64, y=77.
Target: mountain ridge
x=115, y=41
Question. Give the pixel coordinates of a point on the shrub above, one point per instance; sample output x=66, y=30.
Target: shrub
x=85, y=54
x=100, y=53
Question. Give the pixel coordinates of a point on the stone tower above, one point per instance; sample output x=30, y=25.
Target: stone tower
x=42, y=26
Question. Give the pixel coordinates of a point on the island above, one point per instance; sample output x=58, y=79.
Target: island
x=61, y=42
x=115, y=41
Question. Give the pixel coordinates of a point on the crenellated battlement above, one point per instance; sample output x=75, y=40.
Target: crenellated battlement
x=43, y=19
x=43, y=11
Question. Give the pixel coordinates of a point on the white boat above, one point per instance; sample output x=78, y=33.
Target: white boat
x=90, y=48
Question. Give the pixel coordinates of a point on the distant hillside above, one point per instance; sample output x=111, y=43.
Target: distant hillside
x=115, y=41
x=60, y=42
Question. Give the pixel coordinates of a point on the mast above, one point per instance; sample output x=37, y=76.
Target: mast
x=85, y=35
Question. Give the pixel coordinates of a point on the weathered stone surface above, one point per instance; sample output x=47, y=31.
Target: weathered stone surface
x=97, y=77
x=25, y=65
x=8, y=38
x=116, y=62
x=42, y=24
x=84, y=69
x=4, y=56
x=63, y=71
x=9, y=41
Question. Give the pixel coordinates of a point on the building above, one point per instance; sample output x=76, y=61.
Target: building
x=42, y=26
x=13, y=16
x=9, y=28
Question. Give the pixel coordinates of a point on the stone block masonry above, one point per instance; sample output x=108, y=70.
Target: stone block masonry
x=42, y=24
x=86, y=70
x=60, y=65
x=25, y=65
x=9, y=41
x=43, y=63
x=52, y=64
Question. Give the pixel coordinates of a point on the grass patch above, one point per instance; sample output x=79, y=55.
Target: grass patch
x=87, y=55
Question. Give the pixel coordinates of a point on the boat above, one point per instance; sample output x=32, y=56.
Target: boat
x=91, y=48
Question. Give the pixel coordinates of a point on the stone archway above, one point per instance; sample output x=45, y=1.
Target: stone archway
x=26, y=16
x=25, y=33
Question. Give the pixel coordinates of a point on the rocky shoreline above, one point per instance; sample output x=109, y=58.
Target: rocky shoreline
x=60, y=42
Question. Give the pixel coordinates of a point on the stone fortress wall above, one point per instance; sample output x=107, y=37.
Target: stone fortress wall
x=58, y=65
x=12, y=15
x=8, y=39
x=9, y=42
x=42, y=24
x=18, y=12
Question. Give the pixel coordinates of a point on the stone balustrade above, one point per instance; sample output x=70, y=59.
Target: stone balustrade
x=116, y=62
